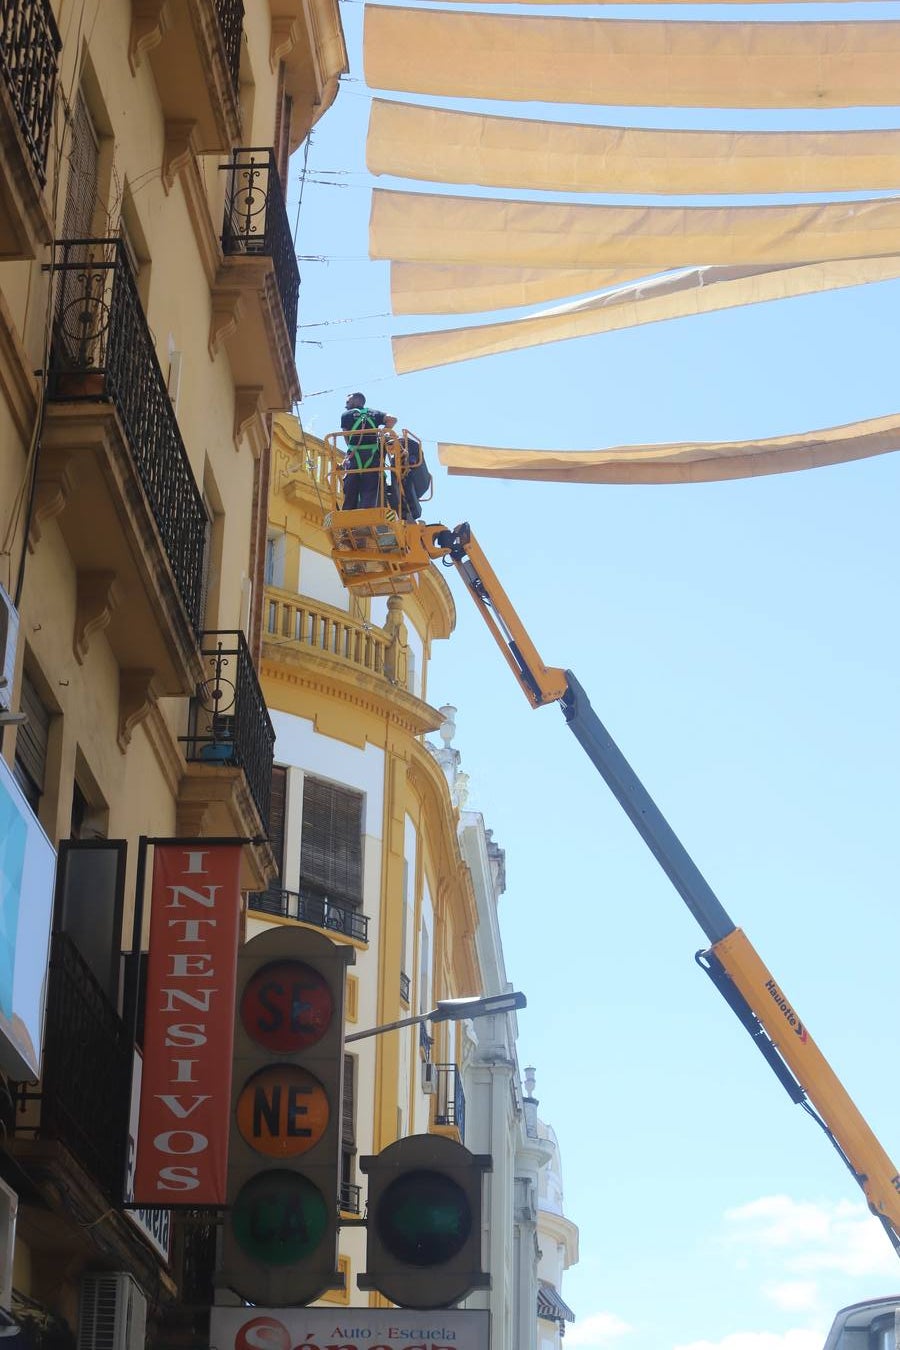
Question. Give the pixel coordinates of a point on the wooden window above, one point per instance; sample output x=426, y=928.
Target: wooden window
x=331, y=841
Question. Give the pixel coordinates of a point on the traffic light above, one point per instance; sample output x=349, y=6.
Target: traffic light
x=280, y=1232
x=423, y=1225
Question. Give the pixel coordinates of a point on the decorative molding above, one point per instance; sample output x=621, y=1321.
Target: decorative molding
x=179, y=148
x=197, y=202
x=284, y=37
x=16, y=381
x=250, y=418
x=227, y=312
x=149, y=24
x=55, y=485
x=165, y=747
x=97, y=595
x=137, y=698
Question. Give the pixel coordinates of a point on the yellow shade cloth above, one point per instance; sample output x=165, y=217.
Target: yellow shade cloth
x=684, y=462
x=445, y=288
x=440, y=145
x=700, y=291
x=422, y=227
x=657, y=63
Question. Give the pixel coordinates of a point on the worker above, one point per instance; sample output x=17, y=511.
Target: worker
x=408, y=467
x=363, y=466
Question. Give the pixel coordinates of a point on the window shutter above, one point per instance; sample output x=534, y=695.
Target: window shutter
x=348, y=1118
x=81, y=188
x=331, y=840
x=31, y=739
x=276, y=823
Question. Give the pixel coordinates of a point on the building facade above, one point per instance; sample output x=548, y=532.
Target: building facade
x=375, y=846
x=148, y=311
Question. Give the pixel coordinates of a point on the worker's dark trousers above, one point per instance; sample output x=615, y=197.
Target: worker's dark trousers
x=361, y=491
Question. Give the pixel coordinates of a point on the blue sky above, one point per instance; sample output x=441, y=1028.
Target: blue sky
x=740, y=642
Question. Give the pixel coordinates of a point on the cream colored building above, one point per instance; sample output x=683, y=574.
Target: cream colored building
x=148, y=310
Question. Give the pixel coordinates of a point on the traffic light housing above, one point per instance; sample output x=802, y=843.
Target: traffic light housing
x=423, y=1222
x=280, y=1232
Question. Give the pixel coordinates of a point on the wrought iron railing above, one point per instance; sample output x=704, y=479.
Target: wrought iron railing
x=196, y=1247
x=103, y=350
x=29, y=61
x=350, y=1198
x=256, y=222
x=229, y=723
x=314, y=909
x=85, y=1090
x=404, y=987
x=230, y=14
x=450, y=1102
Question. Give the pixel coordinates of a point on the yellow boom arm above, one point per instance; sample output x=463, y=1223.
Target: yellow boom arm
x=378, y=553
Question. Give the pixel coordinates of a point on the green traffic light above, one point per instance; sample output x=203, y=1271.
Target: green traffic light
x=424, y=1218
x=279, y=1217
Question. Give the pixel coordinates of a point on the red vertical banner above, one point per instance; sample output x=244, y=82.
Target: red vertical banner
x=189, y=1025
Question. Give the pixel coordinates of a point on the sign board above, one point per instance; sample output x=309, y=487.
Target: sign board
x=27, y=867
x=349, y=1329
x=189, y=1026
x=155, y=1224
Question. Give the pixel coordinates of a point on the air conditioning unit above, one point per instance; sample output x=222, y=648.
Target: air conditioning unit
x=429, y=1078
x=9, y=1202
x=9, y=640
x=112, y=1312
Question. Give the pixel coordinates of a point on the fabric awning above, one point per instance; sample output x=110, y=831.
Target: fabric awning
x=551, y=1306
x=441, y=145
x=703, y=290
x=424, y=227
x=654, y=63
x=702, y=462
x=445, y=288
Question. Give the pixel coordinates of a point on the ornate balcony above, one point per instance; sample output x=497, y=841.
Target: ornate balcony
x=450, y=1100
x=29, y=48
x=314, y=624
x=307, y=907
x=73, y=1104
x=114, y=468
x=230, y=733
x=194, y=50
x=257, y=289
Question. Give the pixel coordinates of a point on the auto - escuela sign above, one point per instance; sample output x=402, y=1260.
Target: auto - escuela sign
x=189, y=1025
x=348, y=1329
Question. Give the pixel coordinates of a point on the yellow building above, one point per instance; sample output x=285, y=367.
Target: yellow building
x=148, y=311
x=364, y=828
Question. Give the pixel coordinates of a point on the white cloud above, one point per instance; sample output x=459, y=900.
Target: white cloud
x=597, y=1331
x=837, y=1237
x=793, y=1295
x=761, y=1340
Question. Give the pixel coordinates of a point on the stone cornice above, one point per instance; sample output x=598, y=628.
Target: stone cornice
x=333, y=678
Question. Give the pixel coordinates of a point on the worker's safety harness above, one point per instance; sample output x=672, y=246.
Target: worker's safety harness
x=363, y=421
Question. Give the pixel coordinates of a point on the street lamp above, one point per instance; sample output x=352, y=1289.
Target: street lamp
x=452, y=1010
